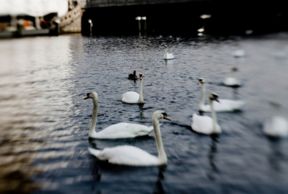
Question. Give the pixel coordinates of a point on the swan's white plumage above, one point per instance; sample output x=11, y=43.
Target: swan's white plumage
x=133, y=156
x=224, y=105
x=126, y=155
x=239, y=53
x=232, y=82
x=123, y=130
x=277, y=126
x=168, y=56
x=203, y=124
x=130, y=97
x=119, y=130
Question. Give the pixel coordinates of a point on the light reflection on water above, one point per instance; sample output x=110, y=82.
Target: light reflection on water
x=34, y=87
x=43, y=119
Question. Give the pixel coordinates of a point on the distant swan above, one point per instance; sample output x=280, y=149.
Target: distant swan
x=168, y=55
x=134, y=156
x=239, y=53
x=224, y=105
x=232, y=81
x=205, y=124
x=132, y=97
x=277, y=126
x=119, y=130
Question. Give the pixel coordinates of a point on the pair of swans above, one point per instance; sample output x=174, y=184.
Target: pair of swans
x=222, y=105
x=125, y=154
x=205, y=124
x=132, y=97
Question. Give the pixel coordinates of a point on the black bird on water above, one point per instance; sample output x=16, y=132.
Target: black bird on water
x=133, y=76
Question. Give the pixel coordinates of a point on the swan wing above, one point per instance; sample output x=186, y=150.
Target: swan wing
x=168, y=56
x=231, y=81
x=228, y=105
x=124, y=130
x=201, y=124
x=239, y=53
x=130, y=97
x=276, y=127
x=205, y=108
x=224, y=105
x=125, y=155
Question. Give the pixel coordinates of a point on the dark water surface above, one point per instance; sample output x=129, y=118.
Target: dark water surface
x=44, y=120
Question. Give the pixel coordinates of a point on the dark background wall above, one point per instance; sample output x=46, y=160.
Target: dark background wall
x=183, y=17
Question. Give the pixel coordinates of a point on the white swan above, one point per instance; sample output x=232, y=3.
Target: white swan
x=239, y=53
x=134, y=156
x=277, y=126
x=205, y=124
x=119, y=130
x=223, y=105
x=232, y=81
x=132, y=97
x=168, y=55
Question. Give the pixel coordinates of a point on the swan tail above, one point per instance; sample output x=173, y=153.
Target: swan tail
x=94, y=152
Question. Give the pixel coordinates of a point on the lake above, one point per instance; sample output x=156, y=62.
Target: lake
x=44, y=120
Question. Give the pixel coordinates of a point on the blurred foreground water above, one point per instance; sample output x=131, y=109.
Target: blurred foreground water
x=44, y=120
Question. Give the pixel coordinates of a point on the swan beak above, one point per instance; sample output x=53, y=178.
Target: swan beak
x=167, y=118
x=86, y=97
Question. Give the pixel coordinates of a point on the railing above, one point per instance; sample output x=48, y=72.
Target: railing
x=108, y=3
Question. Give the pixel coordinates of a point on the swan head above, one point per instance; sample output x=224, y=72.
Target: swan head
x=159, y=114
x=213, y=97
x=92, y=95
x=234, y=69
x=141, y=76
x=201, y=81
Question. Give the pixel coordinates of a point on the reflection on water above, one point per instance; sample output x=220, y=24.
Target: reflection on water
x=212, y=159
x=33, y=88
x=277, y=157
x=104, y=174
x=235, y=93
x=44, y=120
x=159, y=189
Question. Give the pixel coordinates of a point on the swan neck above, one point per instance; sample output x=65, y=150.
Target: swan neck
x=203, y=95
x=159, y=143
x=141, y=95
x=214, y=116
x=92, y=129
